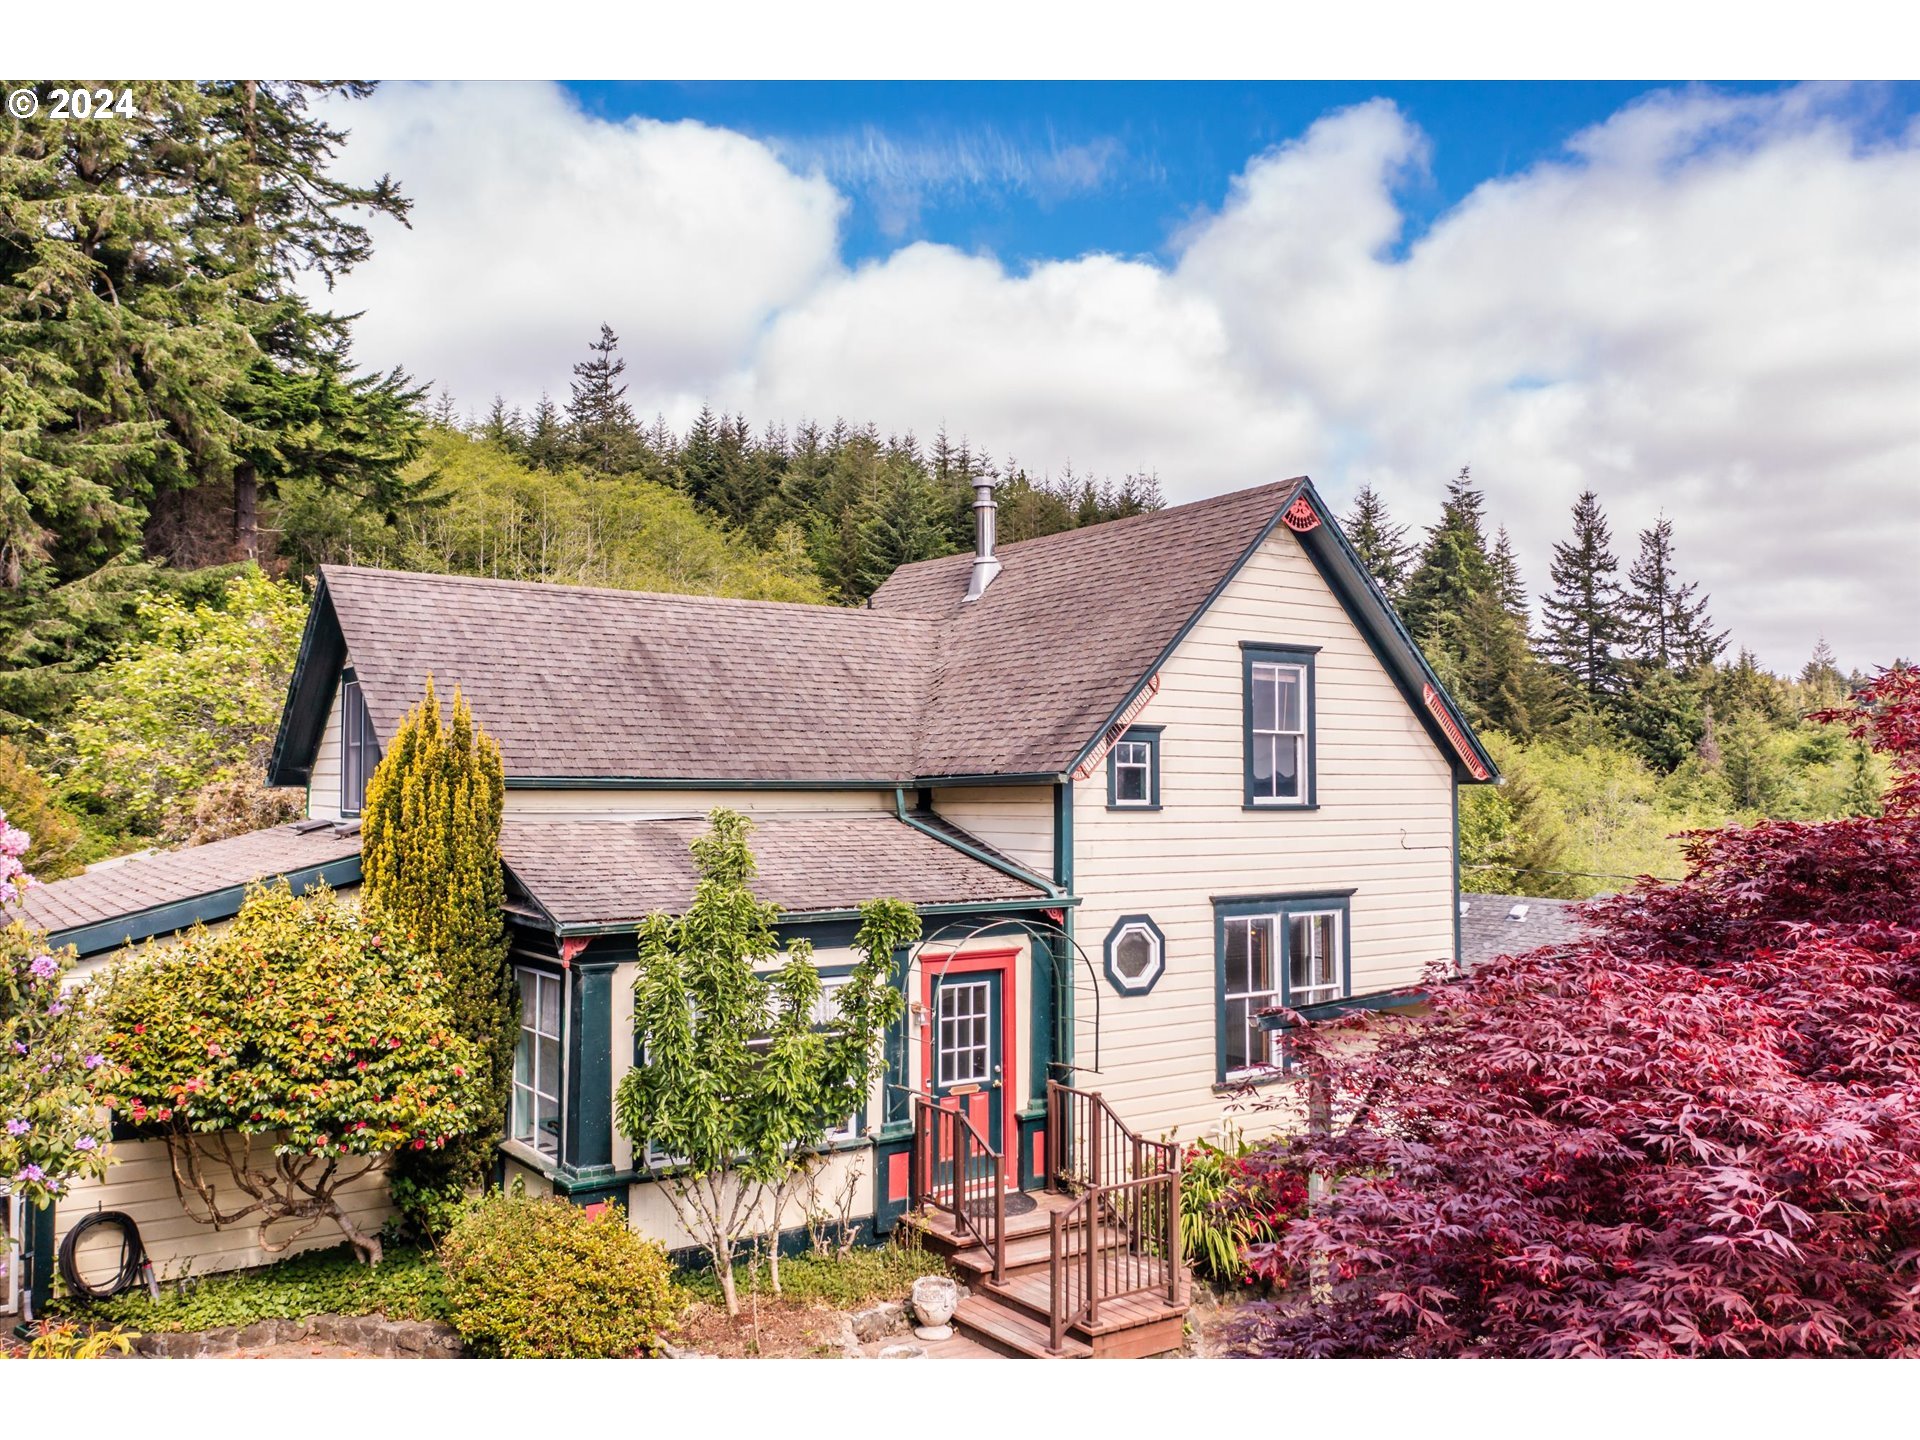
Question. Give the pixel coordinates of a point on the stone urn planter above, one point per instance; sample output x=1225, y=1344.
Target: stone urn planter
x=935, y=1298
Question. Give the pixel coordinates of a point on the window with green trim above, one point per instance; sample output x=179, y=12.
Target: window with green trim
x=359, y=747
x=1278, y=715
x=1291, y=952
x=535, y=1116
x=1133, y=770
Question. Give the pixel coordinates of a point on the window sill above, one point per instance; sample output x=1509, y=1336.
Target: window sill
x=1280, y=809
x=1133, y=809
x=529, y=1158
x=1259, y=1080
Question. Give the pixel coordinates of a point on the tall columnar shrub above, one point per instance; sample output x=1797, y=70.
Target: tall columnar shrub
x=50, y=1132
x=430, y=848
x=1695, y=1131
x=285, y=1058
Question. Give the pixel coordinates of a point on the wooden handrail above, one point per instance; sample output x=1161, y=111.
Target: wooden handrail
x=976, y=1196
x=1120, y=1236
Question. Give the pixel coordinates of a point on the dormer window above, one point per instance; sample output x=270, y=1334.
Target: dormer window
x=359, y=749
x=1133, y=770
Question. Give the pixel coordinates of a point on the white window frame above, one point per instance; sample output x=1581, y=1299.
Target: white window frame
x=1273, y=996
x=523, y=1127
x=1330, y=989
x=1274, y=738
x=983, y=1048
x=1126, y=759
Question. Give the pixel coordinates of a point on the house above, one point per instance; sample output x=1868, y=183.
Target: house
x=1143, y=781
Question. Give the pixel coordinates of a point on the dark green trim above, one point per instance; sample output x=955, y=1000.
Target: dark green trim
x=586, y=1123
x=1148, y=735
x=954, y=782
x=700, y=782
x=1402, y=999
x=1166, y=651
x=1305, y=656
x=1226, y=908
x=38, y=1259
x=1114, y=978
x=1061, y=979
x=323, y=650
x=973, y=852
x=828, y=917
x=106, y=935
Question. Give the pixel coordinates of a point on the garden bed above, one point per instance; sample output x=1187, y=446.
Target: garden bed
x=813, y=1317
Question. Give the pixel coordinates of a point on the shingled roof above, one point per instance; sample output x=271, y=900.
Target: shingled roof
x=591, y=685
x=148, y=895
x=806, y=865
x=1494, y=925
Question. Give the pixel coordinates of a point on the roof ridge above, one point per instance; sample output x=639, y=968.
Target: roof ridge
x=438, y=577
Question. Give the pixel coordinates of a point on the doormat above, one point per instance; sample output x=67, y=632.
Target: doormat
x=1018, y=1203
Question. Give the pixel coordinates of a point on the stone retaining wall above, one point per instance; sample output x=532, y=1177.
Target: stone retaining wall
x=371, y=1335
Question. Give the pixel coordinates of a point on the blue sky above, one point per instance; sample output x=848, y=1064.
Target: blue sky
x=1037, y=170
x=1697, y=301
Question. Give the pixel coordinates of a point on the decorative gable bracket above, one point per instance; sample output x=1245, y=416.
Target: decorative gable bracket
x=1097, y=756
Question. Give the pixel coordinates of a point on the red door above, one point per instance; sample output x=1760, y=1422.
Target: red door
x=968, y=1046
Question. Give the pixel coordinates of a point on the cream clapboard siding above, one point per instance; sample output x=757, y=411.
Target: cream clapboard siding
x=323, y=781
x=658, y=804
x=140, y=1184
x=1016, y=820
x=1384, y=828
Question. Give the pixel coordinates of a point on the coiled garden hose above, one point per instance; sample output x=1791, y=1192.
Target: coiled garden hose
x=133, y=1257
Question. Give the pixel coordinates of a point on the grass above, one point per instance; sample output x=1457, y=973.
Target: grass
x=406, y=1285
x=881, y=1272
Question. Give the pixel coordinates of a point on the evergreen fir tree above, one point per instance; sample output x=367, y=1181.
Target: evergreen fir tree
x=1382, y=546
x=1508, y=586
x=600, y=423
x=1584, y=617
x=548, y=447
x=906, y=522
x=1667, y=626
x=430, y=867
x=504, y=427
x=701, y=462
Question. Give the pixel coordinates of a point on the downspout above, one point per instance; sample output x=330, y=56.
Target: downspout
x=1005, y=867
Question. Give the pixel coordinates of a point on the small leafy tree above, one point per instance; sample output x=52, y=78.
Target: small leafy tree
x=1693, y=1132
x=193, y=702
x=305, y=1026
x=743, y=1121
x=50, y=1132
x=431, y=872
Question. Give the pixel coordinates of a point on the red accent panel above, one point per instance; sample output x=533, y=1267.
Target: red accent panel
x=1438, y=708
x=596, y=1210
x=1040, y=1153
x=1300, y=516
x=897, y=1178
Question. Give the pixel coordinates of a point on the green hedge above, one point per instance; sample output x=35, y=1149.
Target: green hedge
x=542, y=1279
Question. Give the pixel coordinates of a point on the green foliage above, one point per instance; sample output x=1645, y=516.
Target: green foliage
x=857, y=1277
x=1230, y=1199
x=541, y=1279
x=194, y=700
x=743, y=1119
x=1382, y=546
x=28, y=801
x=499, y=515
x=304, y=1022
x=70, y=1342
x=406, y=1285
x=1512, y=839
x=430, y=868
x=1585, y=622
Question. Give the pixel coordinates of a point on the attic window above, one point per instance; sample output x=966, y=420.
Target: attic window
x=359, y=747
x=1133, y=770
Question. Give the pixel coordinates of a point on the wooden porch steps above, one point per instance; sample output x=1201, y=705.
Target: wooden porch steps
x=1012, y=1331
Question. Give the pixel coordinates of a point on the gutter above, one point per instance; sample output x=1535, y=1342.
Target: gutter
x=1005, y=867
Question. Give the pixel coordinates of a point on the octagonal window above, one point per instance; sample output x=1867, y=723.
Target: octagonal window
x=1135, y=954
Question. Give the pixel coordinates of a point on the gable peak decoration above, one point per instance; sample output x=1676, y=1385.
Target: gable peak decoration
x=1301, y=516
x=1437, y=707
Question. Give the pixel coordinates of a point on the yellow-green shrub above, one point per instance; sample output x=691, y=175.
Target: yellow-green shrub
x=543, y=1279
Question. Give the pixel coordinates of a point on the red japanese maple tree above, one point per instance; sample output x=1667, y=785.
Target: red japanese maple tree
x=1695, y=1131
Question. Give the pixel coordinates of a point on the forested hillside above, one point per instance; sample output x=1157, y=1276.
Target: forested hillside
x=185, y=435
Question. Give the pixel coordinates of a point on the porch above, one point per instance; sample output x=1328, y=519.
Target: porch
x=1093, y=1268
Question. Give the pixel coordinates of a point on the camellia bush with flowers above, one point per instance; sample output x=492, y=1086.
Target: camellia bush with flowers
x=1694, y=1131
x=51, y=1132
x=284, y=1059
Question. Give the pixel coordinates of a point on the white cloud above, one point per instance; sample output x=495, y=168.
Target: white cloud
x=1707, y=307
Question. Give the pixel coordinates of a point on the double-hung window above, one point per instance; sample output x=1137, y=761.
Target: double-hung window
x=359, y=749
x=1278, y=715
x=826, y=1021
x=1289, y=951
x=536, y=1112
x=1133, y=770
